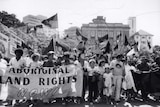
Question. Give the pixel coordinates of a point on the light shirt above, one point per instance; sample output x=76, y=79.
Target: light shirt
x=17, y=64
x=101, y=70
x=28, y=61
x=35, y=64
x=86, y=64
x=91, y=71
x=108, y=79
x=129, y=77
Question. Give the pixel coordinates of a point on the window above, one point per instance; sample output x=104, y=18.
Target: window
x=143, y=42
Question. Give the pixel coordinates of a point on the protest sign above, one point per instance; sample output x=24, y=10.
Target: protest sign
x=42, y=83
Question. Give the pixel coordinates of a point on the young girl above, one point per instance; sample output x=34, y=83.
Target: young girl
x=108, y=78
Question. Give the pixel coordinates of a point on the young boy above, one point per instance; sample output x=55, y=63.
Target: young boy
x=108, y=78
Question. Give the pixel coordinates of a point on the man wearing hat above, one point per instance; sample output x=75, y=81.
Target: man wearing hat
x=49, y=62
x=144, y=68
x=18, y=61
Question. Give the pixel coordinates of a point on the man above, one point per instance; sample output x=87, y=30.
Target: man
x=144, y=68
x=49, y=62
x=118, y=72
x=71, y=87
x=16, y=62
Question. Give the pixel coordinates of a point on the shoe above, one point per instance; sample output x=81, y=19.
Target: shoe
x=91, y=103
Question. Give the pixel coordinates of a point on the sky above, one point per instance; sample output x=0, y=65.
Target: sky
x=78, y=12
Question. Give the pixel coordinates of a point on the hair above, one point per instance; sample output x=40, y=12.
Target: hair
x=19, y=51
x=100, y=64
x=34, y=57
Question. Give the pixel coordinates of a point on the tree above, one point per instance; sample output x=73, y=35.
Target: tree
x=10, y=20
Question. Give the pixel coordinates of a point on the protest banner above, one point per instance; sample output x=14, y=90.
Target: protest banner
x=42, y=83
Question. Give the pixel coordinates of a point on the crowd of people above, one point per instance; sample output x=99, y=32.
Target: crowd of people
x=105, y=79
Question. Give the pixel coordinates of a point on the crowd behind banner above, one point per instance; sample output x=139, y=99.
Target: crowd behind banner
x=98, y=78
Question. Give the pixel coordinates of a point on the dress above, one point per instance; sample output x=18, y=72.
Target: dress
x=108, y=84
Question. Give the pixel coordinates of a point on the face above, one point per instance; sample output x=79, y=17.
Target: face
x=92, y=64
x=82, y=56
x=107, y=70
x=50, y=57
x=102, y=64
x=18, y=54
x=36, y=58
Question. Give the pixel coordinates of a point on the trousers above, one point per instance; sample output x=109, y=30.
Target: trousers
x=117, y=81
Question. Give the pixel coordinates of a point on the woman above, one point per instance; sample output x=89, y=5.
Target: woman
x=36, y=63
x=92, y=80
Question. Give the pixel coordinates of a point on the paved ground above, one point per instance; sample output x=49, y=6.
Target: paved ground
x=122, y=104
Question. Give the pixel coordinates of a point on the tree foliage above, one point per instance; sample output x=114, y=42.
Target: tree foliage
x=10, y=20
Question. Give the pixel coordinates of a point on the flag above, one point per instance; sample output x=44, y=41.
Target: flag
x=108, y=48
x=116, y=47
x=49, y=48
x=79, y=34
x=25, y=46
x=136, y=46
x=66, y=37
x=149, y=45
x=39, y=26
x=81, y=47
x=101, y=39
x=126, y=41
x=118, y=37
x=64, y=48
x=131, y=52
x=18, y=46
x=51, y=22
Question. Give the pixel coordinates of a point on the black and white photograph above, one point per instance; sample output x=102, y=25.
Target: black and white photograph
x=79, y=53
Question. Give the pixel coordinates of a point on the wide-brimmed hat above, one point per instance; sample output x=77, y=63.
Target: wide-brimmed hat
x=18, y=50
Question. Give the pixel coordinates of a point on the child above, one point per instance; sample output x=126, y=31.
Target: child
x=108, y=78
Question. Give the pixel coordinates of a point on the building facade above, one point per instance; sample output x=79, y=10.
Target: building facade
x=99, y=27
x=33, y=20
x=144, y=40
